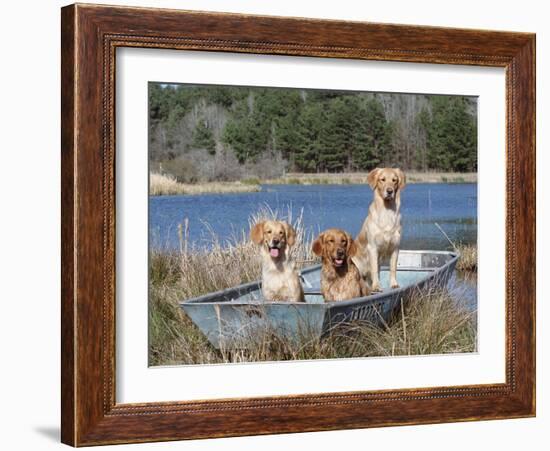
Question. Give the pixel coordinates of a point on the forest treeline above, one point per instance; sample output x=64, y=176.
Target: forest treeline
x=228, y=133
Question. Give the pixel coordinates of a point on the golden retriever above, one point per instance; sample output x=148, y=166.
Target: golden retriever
x=280, y=279
x=380, y=235
x=340, y=278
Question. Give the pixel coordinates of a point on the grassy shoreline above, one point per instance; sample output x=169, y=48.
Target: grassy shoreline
x=432, y=323
x=165, y=185
x=352, y=178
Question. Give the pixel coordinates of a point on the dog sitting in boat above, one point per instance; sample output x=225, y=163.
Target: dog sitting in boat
x=280, y=279
x=340, y=278
x=380, y=235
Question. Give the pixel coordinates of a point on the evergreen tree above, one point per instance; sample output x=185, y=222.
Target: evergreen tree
x=203, y=138
x=372, y=135
x=451, y=135
x=247, y=132
x=314, y=130
x=247, y=137
x=464, y=145
x=337, y=141
x=308, y=147
x=280, y=110
x=422, y=122
x=285, y=138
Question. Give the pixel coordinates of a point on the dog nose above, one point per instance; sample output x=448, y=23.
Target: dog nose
x=275, y=241
x=389, y=190
x=340, y=252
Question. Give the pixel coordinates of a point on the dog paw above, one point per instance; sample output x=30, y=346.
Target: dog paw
x=395, y=285
x=376, y=289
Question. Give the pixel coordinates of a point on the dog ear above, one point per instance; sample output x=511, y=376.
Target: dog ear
x=372, y=177
x=401, y=176
x=257, y=233
x=352, y=246
x=290, y=234
x=317, y=246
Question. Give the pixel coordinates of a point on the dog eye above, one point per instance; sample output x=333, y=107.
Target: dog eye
x=384, y=179
x=394, y=180
x=281, y=232
x=269, y=231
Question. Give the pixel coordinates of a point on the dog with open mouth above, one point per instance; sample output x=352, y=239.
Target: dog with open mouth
x=340, y=278
x=380, y=236
x=280, y=279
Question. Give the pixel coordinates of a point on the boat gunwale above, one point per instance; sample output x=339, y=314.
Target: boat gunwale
x=455, y=255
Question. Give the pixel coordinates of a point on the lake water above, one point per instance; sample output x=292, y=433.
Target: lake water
x=452, y=206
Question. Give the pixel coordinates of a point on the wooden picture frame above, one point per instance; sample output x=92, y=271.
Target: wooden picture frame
x=90, y=35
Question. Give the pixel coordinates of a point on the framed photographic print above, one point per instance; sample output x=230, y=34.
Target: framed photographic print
x=278, y=225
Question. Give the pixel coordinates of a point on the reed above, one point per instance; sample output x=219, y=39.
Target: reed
x=431, y=323
x=164, y=185
x=468, y=258
x=191, y=271
x=467, y=262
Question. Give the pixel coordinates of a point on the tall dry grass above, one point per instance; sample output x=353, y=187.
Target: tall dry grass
x=468, y=257
x=467, y=261
x=162, y=185
x=190, y=272
x=165, y=184
x=433, y=322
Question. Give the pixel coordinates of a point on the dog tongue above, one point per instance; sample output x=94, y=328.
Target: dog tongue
x=274, y=252
x=338, y=262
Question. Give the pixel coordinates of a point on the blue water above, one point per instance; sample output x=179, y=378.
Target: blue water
x=452, y=206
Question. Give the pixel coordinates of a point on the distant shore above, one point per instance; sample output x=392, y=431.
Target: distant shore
x=162, y=185
x=355, y=178
x=165, y=185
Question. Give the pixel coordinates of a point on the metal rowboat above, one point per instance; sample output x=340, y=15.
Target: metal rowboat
x=231, y=318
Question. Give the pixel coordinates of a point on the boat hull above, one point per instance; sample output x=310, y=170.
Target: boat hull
x=238, y=317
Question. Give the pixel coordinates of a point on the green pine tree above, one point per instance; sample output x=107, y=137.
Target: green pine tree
x=372, y=135
x=315, y=130
x=336, y=136
x=451, y=135
x=308, y=148
x=203, y=138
